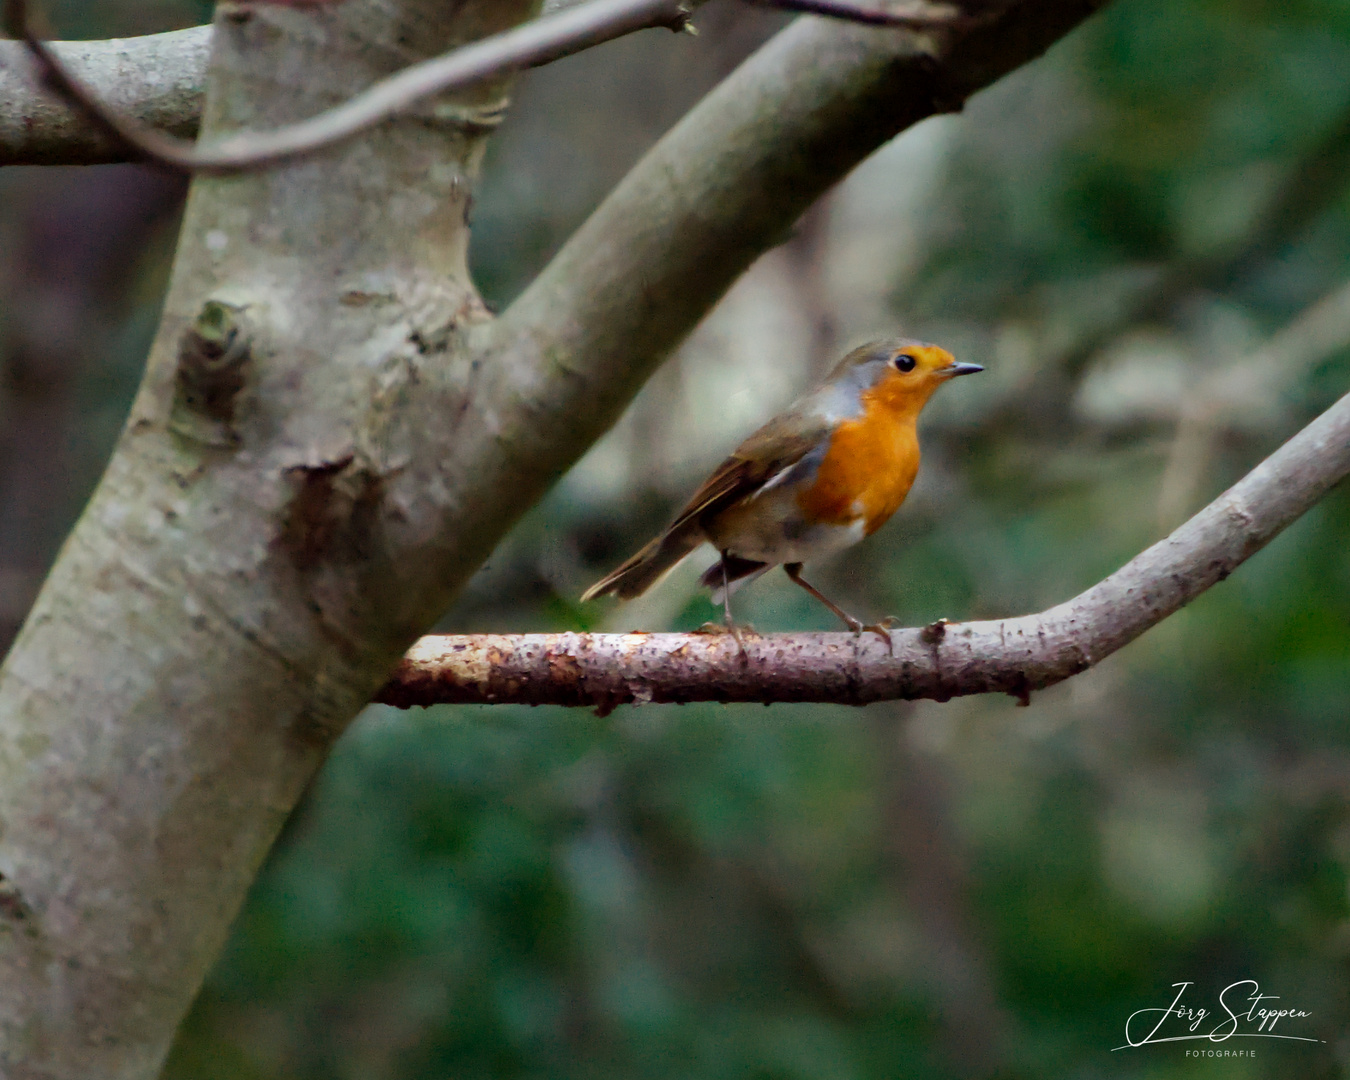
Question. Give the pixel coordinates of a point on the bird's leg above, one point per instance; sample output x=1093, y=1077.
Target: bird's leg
x=726, y=591
x=729, y=627
x=794, y=571
x=726, y=606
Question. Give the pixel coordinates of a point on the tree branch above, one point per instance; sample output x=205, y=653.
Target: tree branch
x=157, y=80
x=942, y=661
x=537, y=42
x=256, y=494
x=328, y=440
x=923, y=17
x=34, y=131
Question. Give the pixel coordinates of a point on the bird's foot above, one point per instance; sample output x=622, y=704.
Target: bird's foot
x=881, y=628
x=736, y=630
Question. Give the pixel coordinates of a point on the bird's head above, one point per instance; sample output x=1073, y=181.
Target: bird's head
x=897, y=372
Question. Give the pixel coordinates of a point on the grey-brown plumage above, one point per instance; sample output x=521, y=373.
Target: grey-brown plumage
x=776, y=446
x=810, y=482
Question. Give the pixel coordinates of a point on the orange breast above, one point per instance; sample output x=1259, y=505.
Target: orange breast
x=869, y=467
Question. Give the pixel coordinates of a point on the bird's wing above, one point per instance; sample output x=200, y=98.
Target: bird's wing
x=778, y=445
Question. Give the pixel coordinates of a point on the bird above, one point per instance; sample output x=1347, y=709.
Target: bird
x=814, y=480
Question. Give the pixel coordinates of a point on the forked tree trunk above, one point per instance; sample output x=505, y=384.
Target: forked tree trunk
x=239, y=584
x=330, y=436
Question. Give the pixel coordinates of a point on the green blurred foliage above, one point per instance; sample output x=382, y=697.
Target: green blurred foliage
x=76, y=19
x=943, y=890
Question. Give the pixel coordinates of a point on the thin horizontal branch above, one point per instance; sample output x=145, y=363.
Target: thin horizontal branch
x=158, y=80
x=922, y=17
x=105, y=120
x=942, y=661
x=141, y=98
x=541, y=41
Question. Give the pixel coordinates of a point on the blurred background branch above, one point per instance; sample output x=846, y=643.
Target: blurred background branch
x=1312, y=185
x=918, y=16
x=1245, y=394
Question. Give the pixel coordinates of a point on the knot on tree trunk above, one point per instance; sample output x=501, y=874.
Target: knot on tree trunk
x=214, y=357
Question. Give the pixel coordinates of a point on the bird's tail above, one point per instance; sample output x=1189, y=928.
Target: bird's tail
x=640, y=573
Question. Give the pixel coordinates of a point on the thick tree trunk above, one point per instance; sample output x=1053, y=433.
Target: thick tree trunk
x=233, y=593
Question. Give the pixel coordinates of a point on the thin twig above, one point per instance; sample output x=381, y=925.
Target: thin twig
x=538, y=42
x=941, y=661
x=927, y=17
x=565, y=29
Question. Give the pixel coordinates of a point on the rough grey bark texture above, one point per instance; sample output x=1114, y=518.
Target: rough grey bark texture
x=537, y=41
x=941, y=661
x=235, y=589
x=158, y=79
x=330, y=437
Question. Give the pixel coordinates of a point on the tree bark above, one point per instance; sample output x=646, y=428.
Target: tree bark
x=157, y=79
x=330, y=436
x=220, y=611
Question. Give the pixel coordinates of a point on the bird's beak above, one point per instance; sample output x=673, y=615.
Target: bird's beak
x=956, y=368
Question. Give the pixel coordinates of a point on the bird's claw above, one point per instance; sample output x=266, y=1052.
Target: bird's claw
x=882, y=629
x=735, y=630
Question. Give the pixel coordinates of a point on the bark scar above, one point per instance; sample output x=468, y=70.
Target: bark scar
x=14, y=908
x=331, y=515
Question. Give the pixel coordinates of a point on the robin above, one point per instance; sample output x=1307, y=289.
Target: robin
x=812, y=481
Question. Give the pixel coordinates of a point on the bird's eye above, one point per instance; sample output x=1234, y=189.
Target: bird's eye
x=904, y=362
